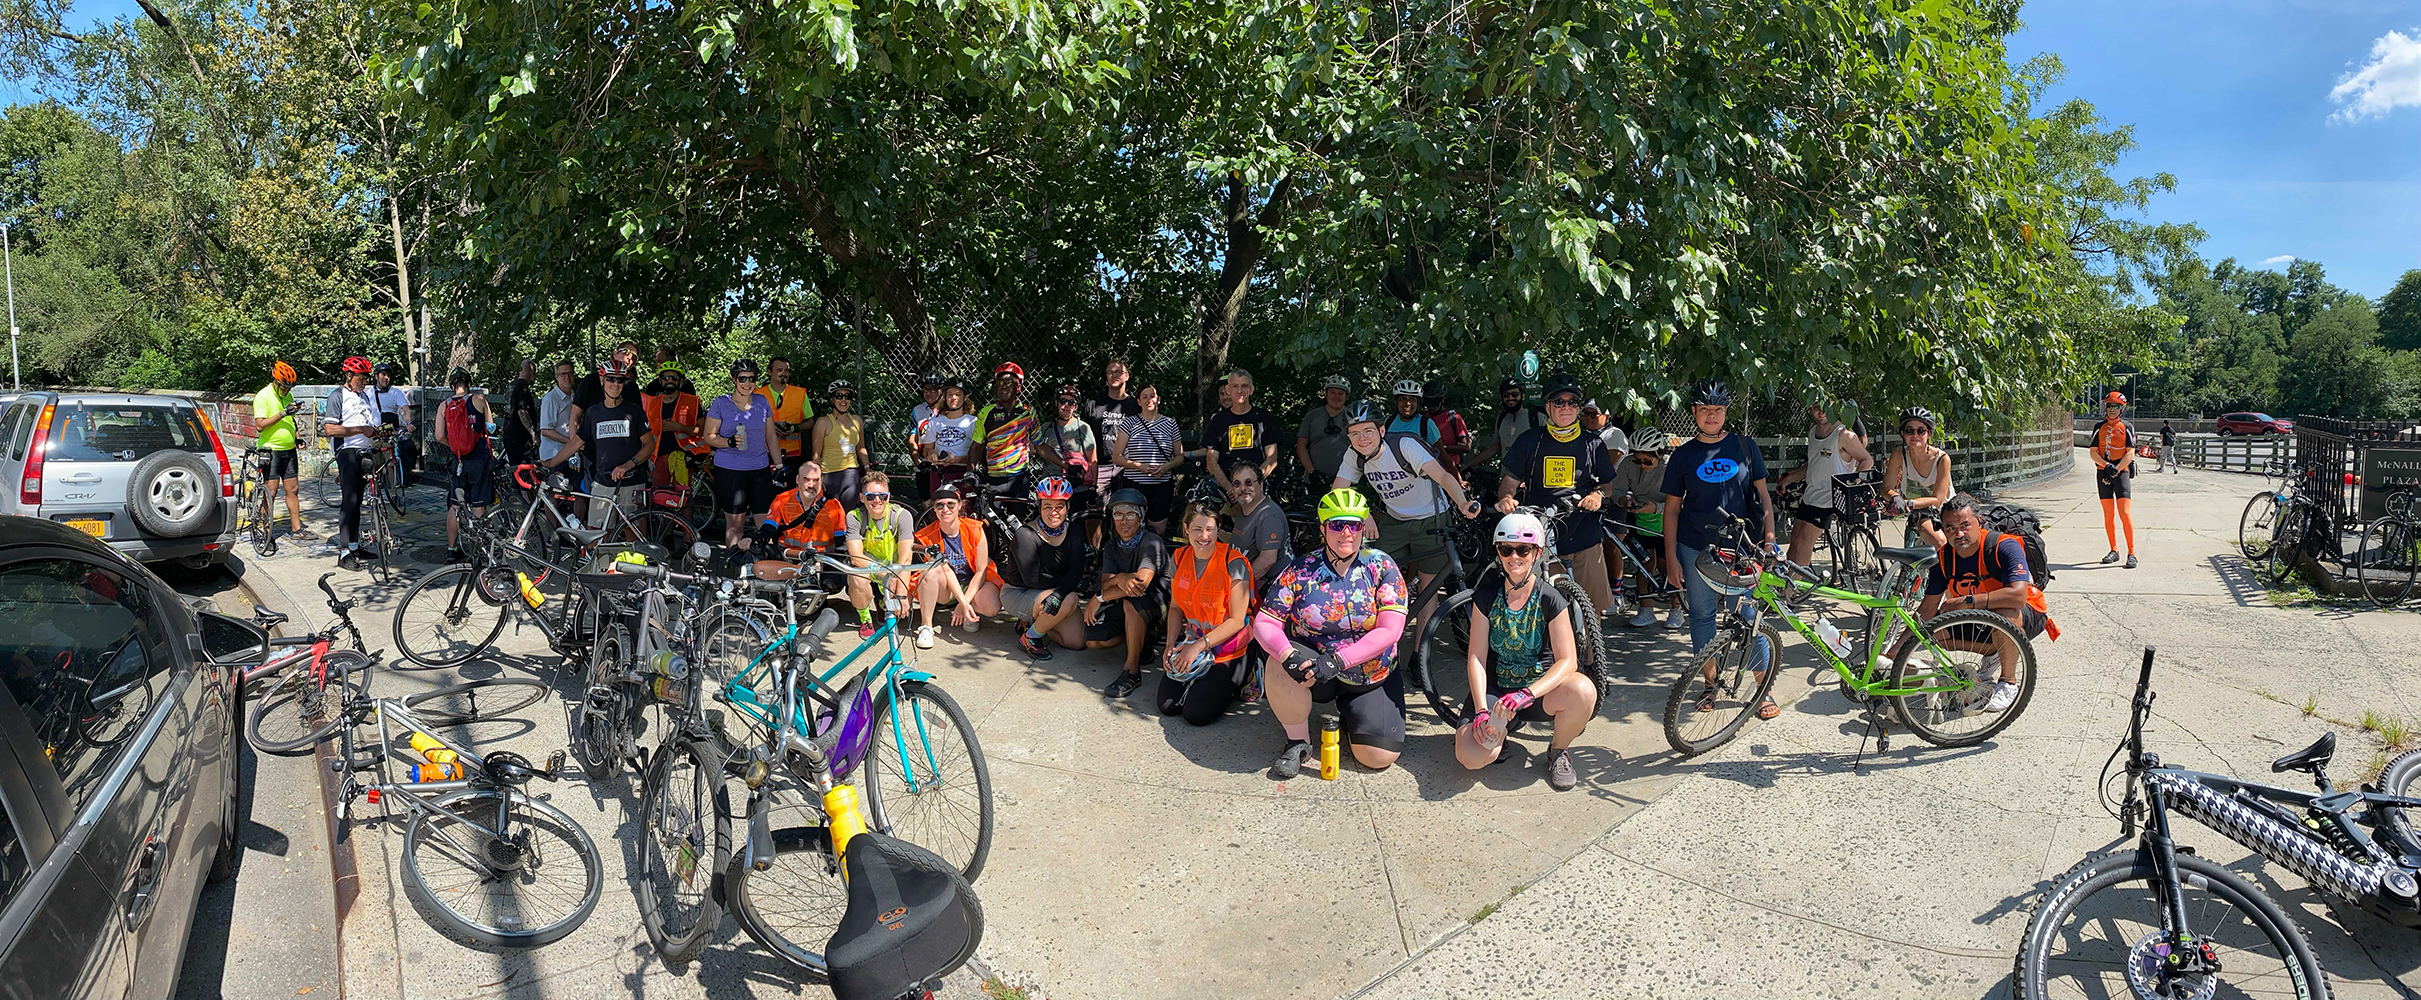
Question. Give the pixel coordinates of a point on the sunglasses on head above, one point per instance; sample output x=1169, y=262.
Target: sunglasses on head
x=1515, y=549
x=1342, y=525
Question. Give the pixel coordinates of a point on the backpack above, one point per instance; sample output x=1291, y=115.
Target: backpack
x=2011, y=519
x=465, y=432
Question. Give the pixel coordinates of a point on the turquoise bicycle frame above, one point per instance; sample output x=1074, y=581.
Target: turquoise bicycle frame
x=741, y=693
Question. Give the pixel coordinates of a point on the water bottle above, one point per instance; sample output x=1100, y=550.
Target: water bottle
x=529, y=591
x=1833, y=639
x=1328, y=748
x=1492, y=731
x=842, y=817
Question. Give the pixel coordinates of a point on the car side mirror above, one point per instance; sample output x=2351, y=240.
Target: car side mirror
x=231, y=642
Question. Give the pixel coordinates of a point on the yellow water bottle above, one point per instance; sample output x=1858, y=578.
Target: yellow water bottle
x=422, y=743
x=529, y=591
x=1328, y=748
x=843, y=818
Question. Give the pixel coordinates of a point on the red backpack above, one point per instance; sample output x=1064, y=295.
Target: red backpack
x=465, y=432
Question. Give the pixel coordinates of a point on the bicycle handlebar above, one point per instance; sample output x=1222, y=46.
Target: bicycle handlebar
x=877, y=567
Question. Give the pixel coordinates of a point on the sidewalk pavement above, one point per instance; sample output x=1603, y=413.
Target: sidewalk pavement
x=1778, y=869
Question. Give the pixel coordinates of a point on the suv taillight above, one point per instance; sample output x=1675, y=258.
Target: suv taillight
x=29, y=492
x=226, y=471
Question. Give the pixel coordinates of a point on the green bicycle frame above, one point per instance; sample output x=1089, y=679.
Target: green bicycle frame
x=1768, y=595
x=741, y=692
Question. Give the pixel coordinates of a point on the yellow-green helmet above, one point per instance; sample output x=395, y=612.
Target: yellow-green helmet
x=1343, y=504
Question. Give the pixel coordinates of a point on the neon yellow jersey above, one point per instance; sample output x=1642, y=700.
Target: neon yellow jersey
x=274, y=402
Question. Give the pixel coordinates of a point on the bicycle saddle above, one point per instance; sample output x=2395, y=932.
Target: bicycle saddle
x=266, y=618
x=912, y=919
x=2314, y=758
x=1908, y=556
x=776, y=570
x=581, y=536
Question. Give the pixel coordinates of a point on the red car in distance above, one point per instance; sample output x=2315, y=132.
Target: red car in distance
x=2254, y=423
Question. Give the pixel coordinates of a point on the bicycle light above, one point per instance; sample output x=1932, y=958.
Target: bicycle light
x=370, y=794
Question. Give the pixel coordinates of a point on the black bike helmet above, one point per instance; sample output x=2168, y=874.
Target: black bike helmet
x=955, y=382
x=929, y=380
x=1560, y=382
x=1365, y=412
x=1917, y=413
x=1710, y=392
x=1433, y=391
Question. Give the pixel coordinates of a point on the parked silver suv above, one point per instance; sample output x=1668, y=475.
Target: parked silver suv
x=147, y=475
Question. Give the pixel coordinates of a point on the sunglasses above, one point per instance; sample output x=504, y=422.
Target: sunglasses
x=1244, y=483
x=874, y=497
x=615, y=379
x=1645, y=461
x=1353, y=527
x=1913, y=430
x=1564, y=401
x=1513, y=549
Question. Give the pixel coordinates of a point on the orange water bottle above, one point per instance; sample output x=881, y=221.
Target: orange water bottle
x=1328, y=748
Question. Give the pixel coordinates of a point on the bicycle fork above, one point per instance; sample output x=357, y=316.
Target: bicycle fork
x=2181, y=953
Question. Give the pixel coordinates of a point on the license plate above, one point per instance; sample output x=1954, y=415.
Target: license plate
x=93, y=528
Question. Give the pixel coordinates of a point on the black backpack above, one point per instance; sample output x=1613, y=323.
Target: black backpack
x=2011, y=519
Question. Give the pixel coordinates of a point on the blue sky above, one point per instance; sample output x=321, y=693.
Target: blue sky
x=2234, y=98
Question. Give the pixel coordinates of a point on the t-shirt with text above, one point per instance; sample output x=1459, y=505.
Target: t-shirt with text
x=1711, y=479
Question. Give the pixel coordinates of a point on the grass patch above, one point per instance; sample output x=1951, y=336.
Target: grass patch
x=2370, y=721
x=1484, y=913
x=2311, y=704
x=995, y=989
x=2394, y=733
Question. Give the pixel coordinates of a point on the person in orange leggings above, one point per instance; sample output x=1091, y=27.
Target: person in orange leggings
x=2114, y=474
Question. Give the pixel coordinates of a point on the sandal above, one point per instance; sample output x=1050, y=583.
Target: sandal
x=1767, y=709
x=1706, y=702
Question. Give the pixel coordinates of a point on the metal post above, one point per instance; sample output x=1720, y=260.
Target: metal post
x=8, y=263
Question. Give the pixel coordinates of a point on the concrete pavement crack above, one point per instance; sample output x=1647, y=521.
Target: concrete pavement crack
x=1818, y=921
x=1395, y=900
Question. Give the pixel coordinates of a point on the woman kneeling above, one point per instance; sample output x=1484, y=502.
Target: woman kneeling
x=1330, y=625
x=1523, y=655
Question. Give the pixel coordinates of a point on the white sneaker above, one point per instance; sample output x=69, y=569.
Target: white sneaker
x=1645, y=617
x=2003, y=695
x=924, y=637
x=1675, y=619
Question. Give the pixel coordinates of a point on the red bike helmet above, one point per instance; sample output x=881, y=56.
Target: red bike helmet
x=2115, y=398
x=1054, y=488
x=357, y=365
x=1009, y=368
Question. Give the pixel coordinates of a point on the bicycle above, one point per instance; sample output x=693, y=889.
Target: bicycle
x=1444, y=641
x=2389, y=556
x=253, y=496
x=1844, y=550
x=2255, y=530
x=542, y=526
x=378, y=494
x=1927, y=688
x=2160, y=920
x=296, y=691
x=457, y=612
x=483, y=859
x=2302, y=522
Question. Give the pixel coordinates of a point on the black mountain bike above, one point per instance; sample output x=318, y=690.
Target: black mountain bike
x=2160, y=921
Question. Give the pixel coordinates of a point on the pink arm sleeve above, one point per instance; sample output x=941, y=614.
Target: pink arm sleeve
x=1270, y=632
x=1375, y=641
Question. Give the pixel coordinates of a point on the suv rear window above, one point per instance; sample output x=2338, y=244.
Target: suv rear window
x=123, y=432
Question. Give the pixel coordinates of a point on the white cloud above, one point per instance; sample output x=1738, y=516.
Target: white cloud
x=2392, y=79
x=2281, y=260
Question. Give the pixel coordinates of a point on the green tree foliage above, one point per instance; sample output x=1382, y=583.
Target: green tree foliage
x=2336, y=368
x=2400, y=314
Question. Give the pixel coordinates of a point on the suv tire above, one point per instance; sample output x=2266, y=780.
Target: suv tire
x=172, y=493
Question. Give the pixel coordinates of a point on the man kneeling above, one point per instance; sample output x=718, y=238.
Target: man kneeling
x=1985, y=569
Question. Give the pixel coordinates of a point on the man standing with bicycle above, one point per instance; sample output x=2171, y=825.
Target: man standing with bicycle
x=1987, y=570
x=1559, y=462
x=1417, y=498
x=1710, y=479
x=273, y=422
x=614, y=439
x=1832, y=450
x=353, y=423
x=462, y=430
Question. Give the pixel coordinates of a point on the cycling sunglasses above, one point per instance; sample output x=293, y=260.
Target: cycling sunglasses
x=1515, y=549
x=874, y=497
x=1564, y=401
x=1343, y=525
x=1913, y=430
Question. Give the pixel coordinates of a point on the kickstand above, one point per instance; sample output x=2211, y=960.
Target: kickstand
x=1880, y=731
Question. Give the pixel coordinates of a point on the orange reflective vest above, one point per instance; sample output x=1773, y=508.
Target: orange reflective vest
x=1202, y=597
x=683, y=409
x=1981, y=574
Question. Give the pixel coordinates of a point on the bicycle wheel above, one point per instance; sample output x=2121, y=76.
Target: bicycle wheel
x=297, y=711
x=2279, y=561
x=1442, y=660
x=698, y=505
x=390, y=483
x=2384, y=563
x=445, y=619
x=667, y=529
x=381, y=565
x=687, y=844
x=116, y=714
x=500, y=868
x=1714, y=698
x=942, y=801
x=2398, y=779
x=1588, y=635
x=1855, y=563
x=601, y=732
x=794, y=905
x=477, y=701
x=2254, y=529
x=1976, y=644
x=2099, y=933
x=726, y=643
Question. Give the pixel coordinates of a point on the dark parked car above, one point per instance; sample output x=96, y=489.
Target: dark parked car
x=117, y=766
x=148, y=475
x=2254, y=423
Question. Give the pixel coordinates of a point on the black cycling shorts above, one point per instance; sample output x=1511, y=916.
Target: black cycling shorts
x=474, y=482
x=2029, y=621
x=278, y=465
x=744, y=491
x=1113, y=617
x=1372, y=718
x=1821, y=517
x=2119, y=486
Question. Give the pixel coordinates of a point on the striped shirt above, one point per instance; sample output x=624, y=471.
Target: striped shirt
x=1151, y=442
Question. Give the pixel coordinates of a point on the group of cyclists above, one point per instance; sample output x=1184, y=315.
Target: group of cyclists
x=1210, y=593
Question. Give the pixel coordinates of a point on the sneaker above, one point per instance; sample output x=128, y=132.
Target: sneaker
x=924, y=637
x=1122, y=685
x=1037, y=648
x=1644, y=618
x=1675, y=619
x=2004, y=694
x=1559, y=770
x=865, y=630
x=2111, y=558
x=1290, y=760
x=2130, y=560
x=304, y=535
x=972, y=624
x=349, y=560
x=455, y=556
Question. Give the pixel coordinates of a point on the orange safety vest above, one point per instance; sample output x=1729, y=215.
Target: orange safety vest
x=685, y=411
x=2113, y=440
x=816, y=534
x=1983, y=576
x=970, y=535
x=1203, y=597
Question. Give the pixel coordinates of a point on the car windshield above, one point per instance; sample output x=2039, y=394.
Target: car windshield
x=2261, y=416
x=123, y=432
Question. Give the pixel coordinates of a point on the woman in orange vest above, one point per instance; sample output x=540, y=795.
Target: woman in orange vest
x=2114, y=474
x=1210, y=597
x=970, y=571
x=672, y=408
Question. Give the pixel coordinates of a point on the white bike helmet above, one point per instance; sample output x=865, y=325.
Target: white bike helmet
x=1521, y=529
x=1408, y=387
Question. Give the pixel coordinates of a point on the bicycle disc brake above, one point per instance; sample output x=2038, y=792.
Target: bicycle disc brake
x=2149, y=976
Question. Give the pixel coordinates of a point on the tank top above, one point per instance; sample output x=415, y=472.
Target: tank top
x=1199, y=590
x=838, y=451
x=1824, y=461
x=1912, y=482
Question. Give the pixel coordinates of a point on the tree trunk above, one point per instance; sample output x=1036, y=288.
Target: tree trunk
x=1244, y=246
x=901, y=292
x=403, y=288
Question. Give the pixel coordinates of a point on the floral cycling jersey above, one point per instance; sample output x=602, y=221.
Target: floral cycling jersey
x=1328, y=611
